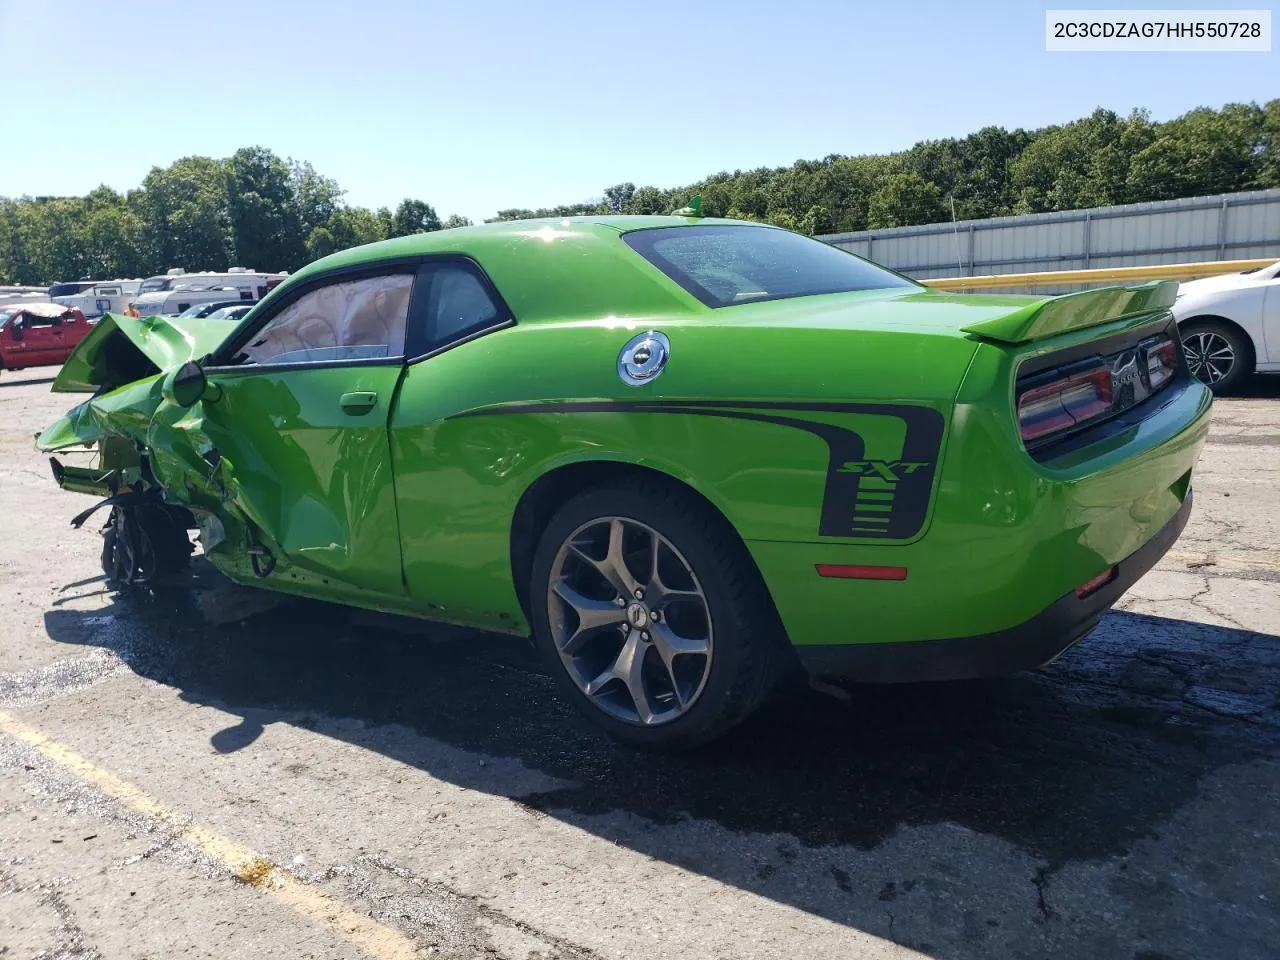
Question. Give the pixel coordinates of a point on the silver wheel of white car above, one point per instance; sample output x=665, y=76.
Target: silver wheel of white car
x=1218, y=354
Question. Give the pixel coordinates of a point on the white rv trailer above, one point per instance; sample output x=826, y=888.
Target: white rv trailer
x=95, y=298
x=178, y=290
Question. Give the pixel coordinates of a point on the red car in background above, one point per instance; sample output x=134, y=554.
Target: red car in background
x=39, y=334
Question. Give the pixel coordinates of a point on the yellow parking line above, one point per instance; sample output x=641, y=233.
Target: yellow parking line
x=378, y=941
x=1222, y=560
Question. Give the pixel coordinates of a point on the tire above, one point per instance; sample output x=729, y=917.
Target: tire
x=693, y=698
x=1206, y=342
x=144, y=543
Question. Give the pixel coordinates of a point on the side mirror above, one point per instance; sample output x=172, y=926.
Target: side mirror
x=185, y=385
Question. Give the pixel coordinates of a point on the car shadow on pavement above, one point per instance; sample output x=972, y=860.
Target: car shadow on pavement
x=1076, y=762
x=1260, y=385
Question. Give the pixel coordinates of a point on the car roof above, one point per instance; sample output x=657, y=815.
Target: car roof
x=460, y=239
x=565, y=266
x=40, y=309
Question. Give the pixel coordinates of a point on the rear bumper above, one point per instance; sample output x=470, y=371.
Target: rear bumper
x=1031, y=644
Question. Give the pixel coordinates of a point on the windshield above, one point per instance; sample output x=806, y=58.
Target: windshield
x=724, y=265
x=153, y=284
x=195, y=311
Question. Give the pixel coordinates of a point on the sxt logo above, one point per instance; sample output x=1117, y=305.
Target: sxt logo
x=888, y=470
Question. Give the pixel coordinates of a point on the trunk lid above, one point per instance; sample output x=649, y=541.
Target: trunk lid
x=1000, y=318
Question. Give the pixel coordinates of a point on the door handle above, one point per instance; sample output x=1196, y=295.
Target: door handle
x=361, y=401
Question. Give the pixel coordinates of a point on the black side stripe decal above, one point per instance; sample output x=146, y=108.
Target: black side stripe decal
x=880, y=500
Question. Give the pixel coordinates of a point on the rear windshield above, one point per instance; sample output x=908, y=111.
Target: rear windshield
x=724, y=265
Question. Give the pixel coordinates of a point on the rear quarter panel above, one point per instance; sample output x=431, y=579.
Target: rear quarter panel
x=1008, y=535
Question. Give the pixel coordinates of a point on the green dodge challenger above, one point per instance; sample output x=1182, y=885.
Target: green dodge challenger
x=684, y=454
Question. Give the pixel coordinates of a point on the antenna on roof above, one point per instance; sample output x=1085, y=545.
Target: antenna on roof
x=694, y=209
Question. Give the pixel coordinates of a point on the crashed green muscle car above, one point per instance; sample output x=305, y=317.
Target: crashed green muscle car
x=685, y=454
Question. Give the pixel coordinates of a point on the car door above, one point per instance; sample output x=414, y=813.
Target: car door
x=439, y=486
x=74, y=329
x=298, y=406
x=10, y=346
x=68, y=331
x=55, y=349
x=38, y=345
x=62, y=339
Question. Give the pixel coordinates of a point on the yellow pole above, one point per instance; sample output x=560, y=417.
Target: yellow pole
x=1049, y=278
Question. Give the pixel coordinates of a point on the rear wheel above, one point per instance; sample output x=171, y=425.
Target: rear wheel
x=1218, y=354
x=652, y=616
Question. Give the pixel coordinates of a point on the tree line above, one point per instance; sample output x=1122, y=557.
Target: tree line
x=253, y=209
x=1098, y=160
x=257, y=210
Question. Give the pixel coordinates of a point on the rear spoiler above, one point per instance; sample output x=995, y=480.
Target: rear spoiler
x=1051, y=316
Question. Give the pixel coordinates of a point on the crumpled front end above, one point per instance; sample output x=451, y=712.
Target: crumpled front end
x=119, y=363
x=115, y=427
x=146, y=457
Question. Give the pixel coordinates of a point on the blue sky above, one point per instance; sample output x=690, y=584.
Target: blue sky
x=481, y=105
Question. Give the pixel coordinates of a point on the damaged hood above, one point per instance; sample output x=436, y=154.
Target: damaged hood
x=120, y=362
x=120, y=350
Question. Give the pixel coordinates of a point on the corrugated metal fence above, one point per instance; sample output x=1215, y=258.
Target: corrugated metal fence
x=1226, y=227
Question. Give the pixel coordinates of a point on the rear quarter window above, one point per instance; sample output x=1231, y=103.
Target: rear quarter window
x=726, y=265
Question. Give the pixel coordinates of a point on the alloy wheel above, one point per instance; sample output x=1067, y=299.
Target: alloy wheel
x=630, y=621
x=1209, y=356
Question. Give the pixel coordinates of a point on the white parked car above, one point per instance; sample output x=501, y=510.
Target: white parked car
x=1230, y=326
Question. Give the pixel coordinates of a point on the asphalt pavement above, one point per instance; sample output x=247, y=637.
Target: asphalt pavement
x=208, y=771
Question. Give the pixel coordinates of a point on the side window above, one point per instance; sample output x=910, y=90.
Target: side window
x=460, y=304
x=351, y=320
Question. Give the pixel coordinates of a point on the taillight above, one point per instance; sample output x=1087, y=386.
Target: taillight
x=1162, y=359
x=1061, y=400
x=1072, y=399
